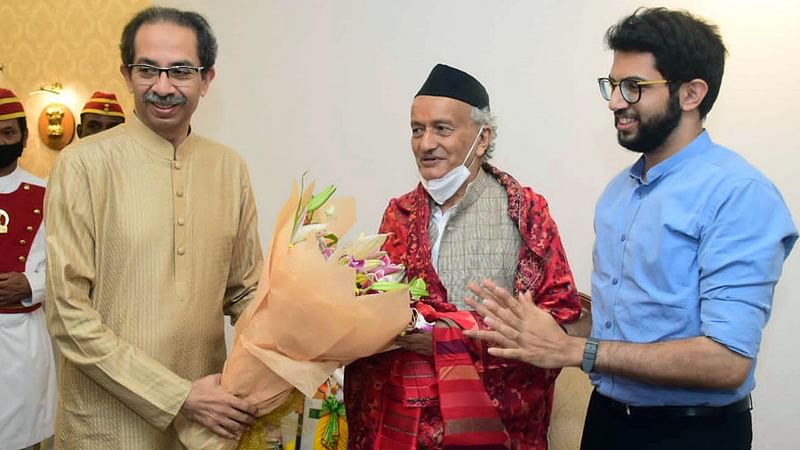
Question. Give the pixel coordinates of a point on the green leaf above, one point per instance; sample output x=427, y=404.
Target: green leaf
x=418, y=288
x=384, y=286
x=318, y=200
x=299, y=208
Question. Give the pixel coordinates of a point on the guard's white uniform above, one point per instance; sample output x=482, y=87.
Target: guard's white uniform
x=27, y=368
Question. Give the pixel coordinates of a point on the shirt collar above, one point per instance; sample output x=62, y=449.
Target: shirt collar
x=475, y=189
x=696, y=147
x=155, y=142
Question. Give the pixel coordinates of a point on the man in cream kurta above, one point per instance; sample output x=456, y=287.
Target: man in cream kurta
x=146, y=251
x=151, y=237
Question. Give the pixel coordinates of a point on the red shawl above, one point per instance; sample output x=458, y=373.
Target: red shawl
x=385, y=411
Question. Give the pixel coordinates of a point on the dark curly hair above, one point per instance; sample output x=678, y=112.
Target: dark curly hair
x=685, y=47
x=206, y=42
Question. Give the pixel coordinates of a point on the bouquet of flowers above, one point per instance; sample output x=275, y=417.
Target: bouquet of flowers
x=319, y=304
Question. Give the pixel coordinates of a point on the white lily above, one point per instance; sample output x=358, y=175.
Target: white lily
x=362, y=248
x=304, y=230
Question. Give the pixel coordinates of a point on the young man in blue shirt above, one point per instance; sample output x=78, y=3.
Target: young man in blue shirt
x=690, y=242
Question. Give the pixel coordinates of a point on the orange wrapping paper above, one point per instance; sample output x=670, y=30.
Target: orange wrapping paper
x=304, y=322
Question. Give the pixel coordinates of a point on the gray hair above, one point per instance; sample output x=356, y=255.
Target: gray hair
x=484, y=117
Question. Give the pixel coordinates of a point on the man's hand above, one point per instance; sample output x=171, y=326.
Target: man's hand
x=14, y=288
x=521, y=330
x=225, y=414
x=417, y=342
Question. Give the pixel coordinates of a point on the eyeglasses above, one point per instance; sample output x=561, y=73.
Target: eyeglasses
x=148, y=74
x=630, y=88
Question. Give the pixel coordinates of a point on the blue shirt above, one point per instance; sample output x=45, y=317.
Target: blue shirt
x=694, y=250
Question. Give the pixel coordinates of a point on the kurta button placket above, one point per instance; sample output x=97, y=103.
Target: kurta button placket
x=182, y=265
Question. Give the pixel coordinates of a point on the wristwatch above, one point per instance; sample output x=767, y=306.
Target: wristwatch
x=589, y=354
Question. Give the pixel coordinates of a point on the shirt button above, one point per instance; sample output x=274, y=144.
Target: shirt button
x=37, y=211
x=622, y=238
x=22, y=242
x=181, y=221
x=178, y=165
x=179, y=193
x=608, y=324
x=26, y=187
x=614, y=281
x=21, y=259
x=29, y=228
x=181, y=251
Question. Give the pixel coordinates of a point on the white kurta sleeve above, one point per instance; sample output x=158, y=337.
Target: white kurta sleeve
x=34, y=269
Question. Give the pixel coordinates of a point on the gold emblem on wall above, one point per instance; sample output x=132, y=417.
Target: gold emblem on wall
x=56, y=126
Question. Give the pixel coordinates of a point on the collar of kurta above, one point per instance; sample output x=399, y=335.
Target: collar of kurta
x=156, y=143
x=474, y=190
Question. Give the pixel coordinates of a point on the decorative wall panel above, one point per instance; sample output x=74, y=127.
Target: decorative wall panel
x=74, y=42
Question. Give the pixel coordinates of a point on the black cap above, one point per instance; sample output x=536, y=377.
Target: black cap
x=446, y=81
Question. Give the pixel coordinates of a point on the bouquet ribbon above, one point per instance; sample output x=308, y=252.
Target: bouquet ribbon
x=335, y=410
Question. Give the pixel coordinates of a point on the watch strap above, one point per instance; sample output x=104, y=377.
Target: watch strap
x=589, y=354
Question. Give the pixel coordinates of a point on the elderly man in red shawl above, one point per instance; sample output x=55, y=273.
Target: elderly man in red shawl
x=465, y=221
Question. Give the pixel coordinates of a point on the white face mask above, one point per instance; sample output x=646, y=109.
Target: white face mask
x=441, y=189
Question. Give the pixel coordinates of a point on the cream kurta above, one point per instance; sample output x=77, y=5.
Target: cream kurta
x=147, y=247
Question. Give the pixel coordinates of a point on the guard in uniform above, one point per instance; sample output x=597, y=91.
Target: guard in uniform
x=27, y=369
x=100, y=113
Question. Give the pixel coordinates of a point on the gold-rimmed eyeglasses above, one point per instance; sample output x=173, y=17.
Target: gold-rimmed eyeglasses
x=148, y=74
x=630, y=88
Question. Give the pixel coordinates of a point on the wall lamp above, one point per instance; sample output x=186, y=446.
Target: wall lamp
x=53, y=88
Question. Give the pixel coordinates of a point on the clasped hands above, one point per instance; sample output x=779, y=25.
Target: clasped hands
x=518, y=329
x=14, y=288
x=223, y=413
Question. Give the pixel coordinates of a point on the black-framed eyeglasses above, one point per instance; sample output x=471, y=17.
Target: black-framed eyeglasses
x=630, y=88
x=149, y=74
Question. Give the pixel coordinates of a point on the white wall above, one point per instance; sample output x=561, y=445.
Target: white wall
x=326, y=86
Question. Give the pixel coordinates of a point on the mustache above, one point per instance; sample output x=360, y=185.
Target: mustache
x=432, y=154
x=627, y=113
x=164, y=100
